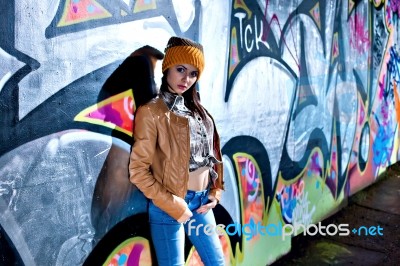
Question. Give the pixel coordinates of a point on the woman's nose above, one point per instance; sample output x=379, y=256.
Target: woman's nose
x=185, y=77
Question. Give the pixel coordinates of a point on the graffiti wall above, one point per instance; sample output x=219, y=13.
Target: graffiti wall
x=304, y=94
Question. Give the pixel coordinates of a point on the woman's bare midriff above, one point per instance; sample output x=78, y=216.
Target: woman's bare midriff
x=198, y=180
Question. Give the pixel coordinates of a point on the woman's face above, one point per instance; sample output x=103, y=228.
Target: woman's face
x=181, y=77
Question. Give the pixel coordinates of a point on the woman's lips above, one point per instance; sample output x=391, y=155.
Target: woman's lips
x=181, y=87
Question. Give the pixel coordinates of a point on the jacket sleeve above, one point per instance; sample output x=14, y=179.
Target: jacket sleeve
x=217, y=187
x=216, y=193
x=141, y=158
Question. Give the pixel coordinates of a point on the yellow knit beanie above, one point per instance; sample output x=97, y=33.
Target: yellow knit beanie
x=183, y=51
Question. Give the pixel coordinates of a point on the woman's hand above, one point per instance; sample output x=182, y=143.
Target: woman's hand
x=206, y=207
x=185, y=216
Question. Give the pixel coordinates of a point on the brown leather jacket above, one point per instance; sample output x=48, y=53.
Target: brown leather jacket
x=159, y=160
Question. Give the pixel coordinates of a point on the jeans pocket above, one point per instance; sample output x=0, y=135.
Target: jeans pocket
x=158, y=216
x=205, y=199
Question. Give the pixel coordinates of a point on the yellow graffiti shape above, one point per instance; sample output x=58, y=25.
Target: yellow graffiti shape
x=234, y=53
x=77, y=11
x=115, y=112
x=396, y=101
x=335, y=46
x=242, y=5
x=143, y=5
x=351, y=6
x=251, y=188
x=133, y=251
x=316, y=14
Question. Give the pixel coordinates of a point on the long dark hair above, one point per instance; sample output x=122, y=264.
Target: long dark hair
x=191, y=96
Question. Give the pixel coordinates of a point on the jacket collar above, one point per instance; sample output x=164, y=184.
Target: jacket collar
x=172, y=100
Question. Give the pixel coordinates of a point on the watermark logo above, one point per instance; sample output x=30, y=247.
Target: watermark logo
x=288, y=230
x=368, y=230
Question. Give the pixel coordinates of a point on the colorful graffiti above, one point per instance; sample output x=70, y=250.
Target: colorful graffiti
x=115, y=112
x=305, y=95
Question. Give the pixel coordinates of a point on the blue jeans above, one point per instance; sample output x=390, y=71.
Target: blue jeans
x=169, y=236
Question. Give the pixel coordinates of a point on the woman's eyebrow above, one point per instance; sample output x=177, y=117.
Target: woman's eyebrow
x=187, y=68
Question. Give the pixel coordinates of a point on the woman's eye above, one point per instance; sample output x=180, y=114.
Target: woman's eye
x=180, y=69
x=194, y=74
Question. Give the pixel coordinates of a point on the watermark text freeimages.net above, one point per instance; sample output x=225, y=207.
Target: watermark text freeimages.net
x=253, y=229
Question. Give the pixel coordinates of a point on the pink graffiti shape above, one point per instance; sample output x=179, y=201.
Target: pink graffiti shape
x=75, y=9
x=359, y=40
x=382, y=85
x=316, y=14
x=362, y=116
x=394, y=5
x=134, y=256
x=108, y=114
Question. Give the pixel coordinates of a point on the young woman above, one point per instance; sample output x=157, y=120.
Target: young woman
x=176, y=160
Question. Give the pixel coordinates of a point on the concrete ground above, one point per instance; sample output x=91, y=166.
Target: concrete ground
x=377, y=205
